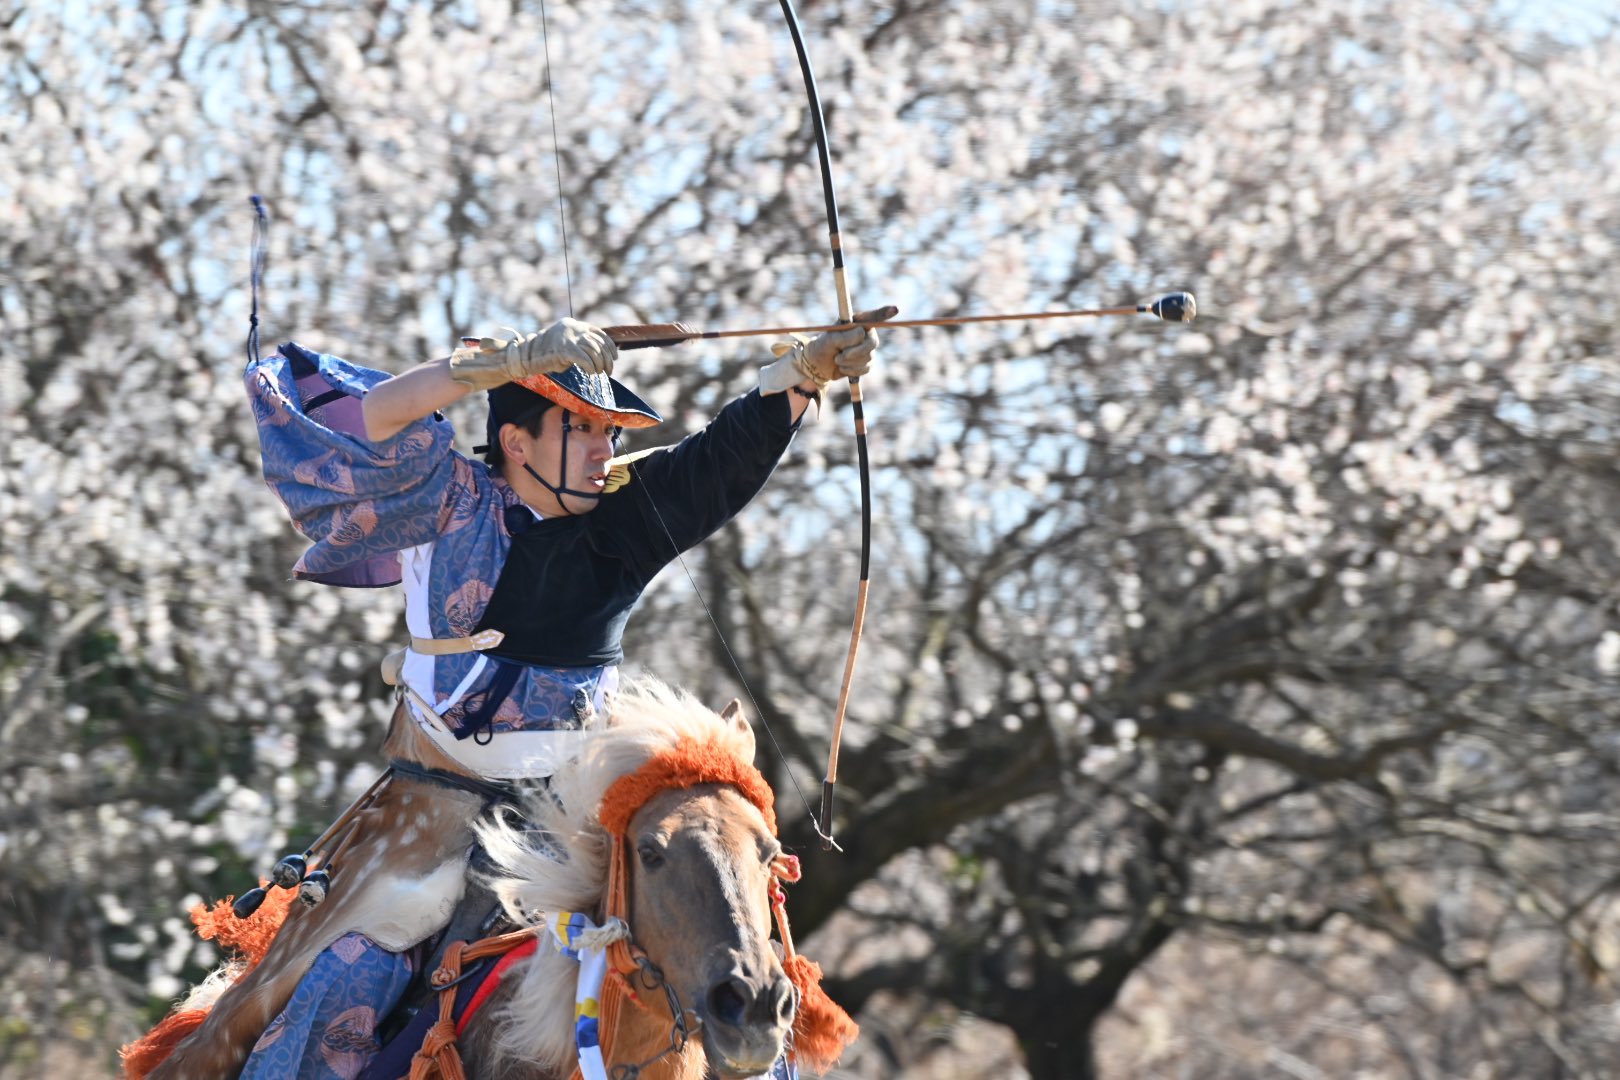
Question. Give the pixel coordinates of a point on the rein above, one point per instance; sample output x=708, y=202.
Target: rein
x=438, y=1054
x=491, y=793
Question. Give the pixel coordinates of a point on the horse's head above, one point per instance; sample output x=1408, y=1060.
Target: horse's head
x=699, y=879
x=698, y=864
x=669, y=837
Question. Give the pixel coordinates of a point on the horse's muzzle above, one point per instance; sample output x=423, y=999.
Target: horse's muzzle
x=746, y=1020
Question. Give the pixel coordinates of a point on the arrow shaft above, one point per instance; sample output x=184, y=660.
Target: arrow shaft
x=666, y=334
x=943, y=320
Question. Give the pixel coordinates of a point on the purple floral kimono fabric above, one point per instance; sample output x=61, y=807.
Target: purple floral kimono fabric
x=328, y=1031
x=357, y=500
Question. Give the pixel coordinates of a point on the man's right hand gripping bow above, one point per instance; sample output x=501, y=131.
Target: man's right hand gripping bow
x=564, y=344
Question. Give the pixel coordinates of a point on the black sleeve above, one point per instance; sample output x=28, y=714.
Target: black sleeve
x=679, y=496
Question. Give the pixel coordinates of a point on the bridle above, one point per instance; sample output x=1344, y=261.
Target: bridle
x=651, y=977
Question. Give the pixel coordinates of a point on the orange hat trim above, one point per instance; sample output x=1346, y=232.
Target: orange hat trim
x=552, y=391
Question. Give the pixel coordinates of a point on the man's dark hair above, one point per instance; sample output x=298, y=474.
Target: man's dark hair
x=529, y=420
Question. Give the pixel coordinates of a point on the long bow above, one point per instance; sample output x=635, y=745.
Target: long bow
x=845, y=314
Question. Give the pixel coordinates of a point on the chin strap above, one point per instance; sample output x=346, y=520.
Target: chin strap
x=562, y=471
x=559, y=492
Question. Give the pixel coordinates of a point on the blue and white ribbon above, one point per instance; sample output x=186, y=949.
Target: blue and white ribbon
x=579, y=939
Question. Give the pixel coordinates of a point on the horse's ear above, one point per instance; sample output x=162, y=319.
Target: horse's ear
x=733, y=715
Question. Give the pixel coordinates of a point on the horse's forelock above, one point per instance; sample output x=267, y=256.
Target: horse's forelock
x=649, y=718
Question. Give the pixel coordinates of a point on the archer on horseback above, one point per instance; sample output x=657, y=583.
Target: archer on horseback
x=519, y=573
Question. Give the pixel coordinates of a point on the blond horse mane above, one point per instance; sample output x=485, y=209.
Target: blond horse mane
x=646, y=718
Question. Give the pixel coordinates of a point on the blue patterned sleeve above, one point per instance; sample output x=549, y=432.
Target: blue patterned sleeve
x=360, y=502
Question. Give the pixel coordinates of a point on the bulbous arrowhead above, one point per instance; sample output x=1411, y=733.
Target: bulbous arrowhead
x=248, y=903
x=289, y=871
x=1175, y=307
x=313, y=889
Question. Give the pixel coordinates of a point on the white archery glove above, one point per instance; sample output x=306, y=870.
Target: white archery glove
x=837, y=354
x=563, y=344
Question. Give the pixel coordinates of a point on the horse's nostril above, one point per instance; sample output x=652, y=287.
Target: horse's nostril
x=728, y=1001
x=778, y=998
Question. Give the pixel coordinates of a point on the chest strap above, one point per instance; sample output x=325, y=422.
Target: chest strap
x=484, y=639
x=394, y=663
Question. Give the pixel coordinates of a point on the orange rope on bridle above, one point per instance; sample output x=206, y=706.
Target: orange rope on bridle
x=438, y=1056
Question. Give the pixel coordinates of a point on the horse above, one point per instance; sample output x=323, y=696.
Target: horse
x=657, y=847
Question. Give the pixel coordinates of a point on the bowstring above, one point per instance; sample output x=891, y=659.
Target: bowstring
x=720, y=636
x=568, y=282
x=556, y=161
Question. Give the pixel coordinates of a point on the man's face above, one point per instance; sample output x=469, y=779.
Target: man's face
x=582, y=469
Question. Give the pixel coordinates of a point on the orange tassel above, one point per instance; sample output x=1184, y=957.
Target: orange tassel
x=686, y=765
x=248, y=938
x=822, y=1029
x=153, y=1049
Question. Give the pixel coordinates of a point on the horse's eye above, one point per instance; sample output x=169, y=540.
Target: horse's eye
x=650, y=855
